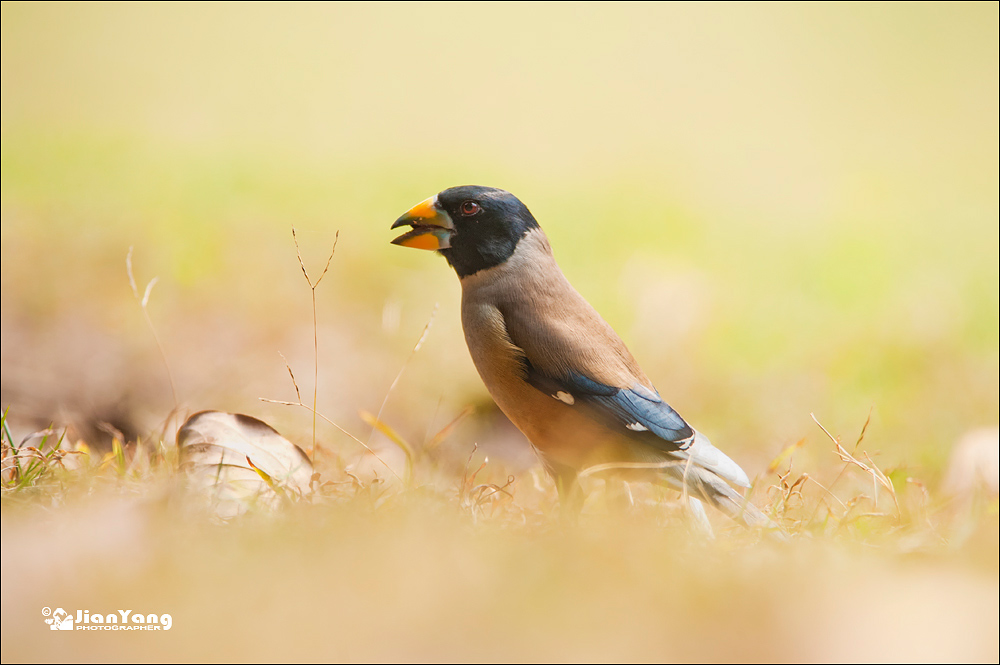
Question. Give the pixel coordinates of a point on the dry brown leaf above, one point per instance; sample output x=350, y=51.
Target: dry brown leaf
x=238, y=461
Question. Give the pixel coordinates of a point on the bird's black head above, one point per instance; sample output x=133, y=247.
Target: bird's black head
x=473, y=227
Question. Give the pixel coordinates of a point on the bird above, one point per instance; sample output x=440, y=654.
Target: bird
x=555, y=367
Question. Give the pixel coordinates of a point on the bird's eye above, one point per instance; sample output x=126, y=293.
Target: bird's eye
x=470, y=208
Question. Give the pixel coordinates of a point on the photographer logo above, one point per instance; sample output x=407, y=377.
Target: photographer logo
x=117, y=620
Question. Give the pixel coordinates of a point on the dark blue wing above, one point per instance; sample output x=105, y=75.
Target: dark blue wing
x=636, y=409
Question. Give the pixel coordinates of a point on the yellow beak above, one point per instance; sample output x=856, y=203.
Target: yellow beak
x=432, y=226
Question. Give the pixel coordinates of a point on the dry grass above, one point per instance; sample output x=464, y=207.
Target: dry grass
x=470, y=569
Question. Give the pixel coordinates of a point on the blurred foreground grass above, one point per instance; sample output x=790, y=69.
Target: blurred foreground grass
x=783, y=210
x=455, y=570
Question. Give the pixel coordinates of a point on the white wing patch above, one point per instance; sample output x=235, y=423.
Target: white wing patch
x=565, y=397
x=637, y=427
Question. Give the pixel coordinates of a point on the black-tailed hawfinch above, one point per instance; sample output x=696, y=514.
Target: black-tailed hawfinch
x=554, y=366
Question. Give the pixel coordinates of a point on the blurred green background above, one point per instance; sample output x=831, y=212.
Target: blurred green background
x=783, y=209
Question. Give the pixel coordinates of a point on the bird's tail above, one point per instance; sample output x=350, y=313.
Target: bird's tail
x=713, y=489
x=703, y=484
